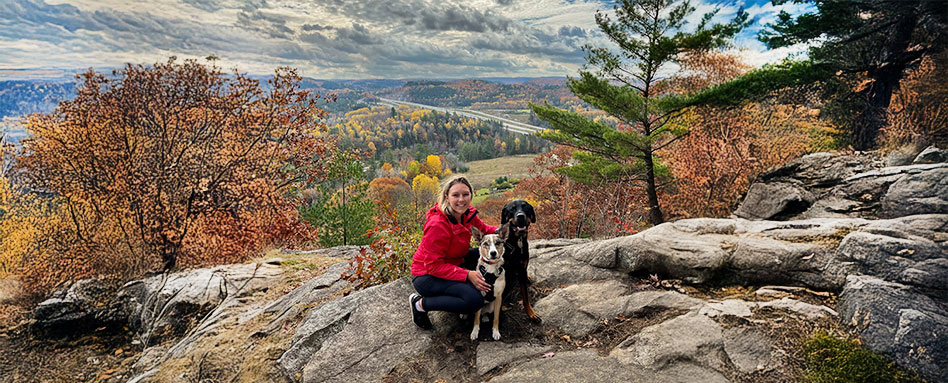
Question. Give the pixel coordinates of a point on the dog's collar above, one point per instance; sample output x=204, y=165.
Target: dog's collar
x=485, y=260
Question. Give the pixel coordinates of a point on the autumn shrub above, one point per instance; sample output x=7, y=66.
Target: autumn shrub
x=918, y=113
x=165, y=165
x=570, y=209
x=389, y=256
x=725, y=150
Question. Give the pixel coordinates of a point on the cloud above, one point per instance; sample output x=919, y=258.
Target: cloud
x=324, y=39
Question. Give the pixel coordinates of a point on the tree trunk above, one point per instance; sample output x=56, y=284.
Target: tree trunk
x=655, y=215
x=885, y=81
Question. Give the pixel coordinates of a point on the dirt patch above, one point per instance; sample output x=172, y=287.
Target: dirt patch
x=91, y=358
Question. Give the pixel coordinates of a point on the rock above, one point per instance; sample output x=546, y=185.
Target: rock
x=76, y=309
x=774, y=201
x=730, y=307
x=661, y=345
x=566, y=265
x=802, y=308
x=692, y=257
x=491, y=355
x=931, y=155
x=10, y=287
x=156, y=305
x=564, y=308
x=571, y=367
x=748, y=349
x=909, y=327
x=357, y=338
x=640, y=302
x=885, y=256
x=923, y=192
x=821, y=170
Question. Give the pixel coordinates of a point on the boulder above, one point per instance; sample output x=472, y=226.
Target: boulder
x=931, y=155
x=921, y=192
x=774, y=201
x=909, y=327
x=358, y=338
x=662, y=345
x=77, y=308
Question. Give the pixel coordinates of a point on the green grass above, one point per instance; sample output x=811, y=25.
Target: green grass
x=834, y=360
x=480, y=195
x=482, y=173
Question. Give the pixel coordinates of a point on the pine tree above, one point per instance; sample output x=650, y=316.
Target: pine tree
x=650, y=35
x=878, y=39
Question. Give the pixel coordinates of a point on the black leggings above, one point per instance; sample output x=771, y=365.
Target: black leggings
x=452, y=296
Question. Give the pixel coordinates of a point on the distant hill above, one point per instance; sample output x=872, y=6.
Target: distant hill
x=20, y=98
x=26, y=91
x=481, y=94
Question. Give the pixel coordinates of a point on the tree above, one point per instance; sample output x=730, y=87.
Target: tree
x=342, y=212
x=147, y=160
x=650, y=36
x=870, y=44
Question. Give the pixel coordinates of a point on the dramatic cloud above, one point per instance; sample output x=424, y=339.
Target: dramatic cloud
x=328, y=38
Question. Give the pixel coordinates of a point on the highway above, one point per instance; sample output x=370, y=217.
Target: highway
x=511, y=125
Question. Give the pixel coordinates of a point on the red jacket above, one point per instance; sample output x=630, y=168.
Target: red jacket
x=445, y=243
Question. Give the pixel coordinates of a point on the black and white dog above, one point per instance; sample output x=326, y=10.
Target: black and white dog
x=515, y=220
x=491, y=265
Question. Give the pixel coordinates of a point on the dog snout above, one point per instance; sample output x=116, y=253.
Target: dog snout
x=493, y=253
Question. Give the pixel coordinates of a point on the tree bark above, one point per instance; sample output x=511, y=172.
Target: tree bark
x=885, y=80
x=655, y=215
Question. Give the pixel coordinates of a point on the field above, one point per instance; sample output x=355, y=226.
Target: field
x=482, y=172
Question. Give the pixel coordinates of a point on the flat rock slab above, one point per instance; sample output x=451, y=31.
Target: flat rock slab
x=571, y=367
x=663, y=344
x=491, y=355
x=357, y=338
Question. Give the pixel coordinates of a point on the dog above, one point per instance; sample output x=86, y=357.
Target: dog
x=516, y=217
x=491, y=265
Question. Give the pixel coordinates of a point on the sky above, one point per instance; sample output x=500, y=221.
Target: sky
x=336, y=39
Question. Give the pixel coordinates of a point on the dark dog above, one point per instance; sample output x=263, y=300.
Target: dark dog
x=516, y=218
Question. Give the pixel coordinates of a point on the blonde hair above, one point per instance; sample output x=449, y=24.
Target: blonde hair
x=443, y=194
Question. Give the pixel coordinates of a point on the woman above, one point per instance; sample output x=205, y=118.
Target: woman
x=436, y=268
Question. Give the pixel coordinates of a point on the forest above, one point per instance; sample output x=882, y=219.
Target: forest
x=179, y=164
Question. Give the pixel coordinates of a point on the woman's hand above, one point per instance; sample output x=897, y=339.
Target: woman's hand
x=478, y=280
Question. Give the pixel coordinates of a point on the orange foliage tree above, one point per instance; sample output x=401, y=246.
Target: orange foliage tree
x=714, y=164
x=176, y=162
x=567, y=209
x=918, y=113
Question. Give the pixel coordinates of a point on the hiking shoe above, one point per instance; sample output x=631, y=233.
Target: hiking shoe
x=419, y=317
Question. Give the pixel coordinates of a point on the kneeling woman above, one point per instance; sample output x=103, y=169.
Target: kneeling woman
x=441, y=267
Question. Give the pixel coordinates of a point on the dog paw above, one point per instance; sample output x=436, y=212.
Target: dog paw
x=496, y=334
x=463, y=316
x=475, y=332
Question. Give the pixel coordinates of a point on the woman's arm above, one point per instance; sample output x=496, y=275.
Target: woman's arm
x=434, y=247
x=483, y=227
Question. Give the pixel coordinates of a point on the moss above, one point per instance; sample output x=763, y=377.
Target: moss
x=834, y=360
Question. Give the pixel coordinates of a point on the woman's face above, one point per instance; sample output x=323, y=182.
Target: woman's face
x=459, y=198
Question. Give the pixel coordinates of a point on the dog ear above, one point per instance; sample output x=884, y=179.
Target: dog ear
x=502, y=231
x=527, y=208
x=505, y=214
x=477, y=234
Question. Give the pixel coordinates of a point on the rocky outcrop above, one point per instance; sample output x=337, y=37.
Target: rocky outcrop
x=869, y=250
x=823, y=185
